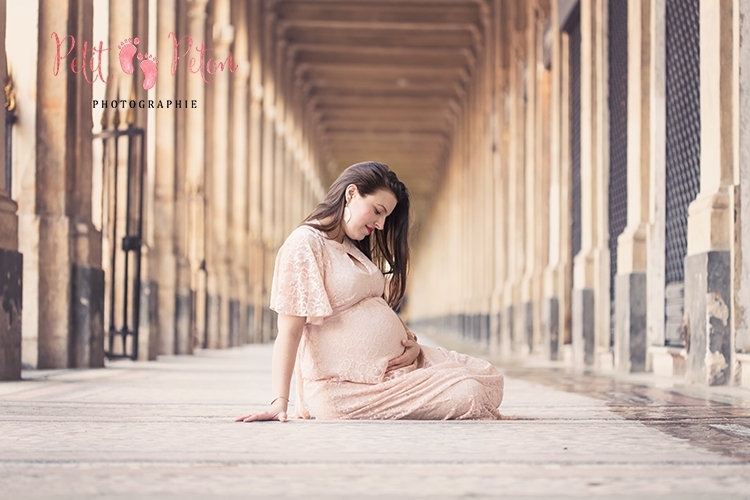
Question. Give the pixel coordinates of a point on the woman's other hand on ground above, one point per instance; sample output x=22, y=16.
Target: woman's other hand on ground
x=410, y=354
x=277, y=411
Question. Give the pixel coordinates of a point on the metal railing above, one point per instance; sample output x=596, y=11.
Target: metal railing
x=123, y=173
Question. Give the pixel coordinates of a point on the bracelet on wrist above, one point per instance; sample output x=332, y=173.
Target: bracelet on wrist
x=280, y=397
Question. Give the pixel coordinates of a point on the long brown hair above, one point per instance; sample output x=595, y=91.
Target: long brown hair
x=389, y=250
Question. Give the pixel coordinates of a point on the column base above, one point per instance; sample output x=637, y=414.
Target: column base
x=252, y=335
x=743, y=360
x=528, y=327
x=630, y=323
x=508, y=331
x=148, y=331
x=707, y=310
x=183, y=312
x=11, y=290
x=667, y=361
x=551, y=328
x=87, y=318
x=583, y=327
x=213, y=321
x=495, y=333
x=235, y=323
x=268, y=329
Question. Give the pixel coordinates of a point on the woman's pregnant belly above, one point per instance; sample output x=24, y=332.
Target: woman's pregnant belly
x=354, y=345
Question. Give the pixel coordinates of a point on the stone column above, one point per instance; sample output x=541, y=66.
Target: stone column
x=55, y=260
x=498, y=176
x=542, y=153
x=240, y=111
x=293, y=181
x=530, y=207
x=87, y=279
x=184, y=297
x=148, y=333
x=268, y=181
x=514, y=24
x=195, y=180
x=217, y=258
x=255, y=186
x=630, y=281
x=164, y=253
x=708, y=304
x=658, y=358
x=11, y=261
x=742, y=279
x=554, y=272
x=487, y=116
x=23, y=79
x=281, y=162
x=504, y=147
x=564, y=285
x=590, y=331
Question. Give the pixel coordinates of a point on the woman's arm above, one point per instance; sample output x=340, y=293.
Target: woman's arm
x=284, y=355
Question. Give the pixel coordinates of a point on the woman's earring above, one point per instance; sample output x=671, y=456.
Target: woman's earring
x=347, y=214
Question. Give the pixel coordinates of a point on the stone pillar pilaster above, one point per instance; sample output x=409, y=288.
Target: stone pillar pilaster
x=255, y=182
x=708, y=306
x=23, y=79
x=530, y=206
x=630, y=281
x=280, y=161
x=590, y=323
x=658, y=359
x=515, y=23
x=268, y=174
x=742, y=279
x=164, y=253
x=55, y=259
x=504, y=237
x=195, y=180
x=87, y=279
x=542, y=154
x=184, y=307
x=498, y=178
x=11, y=261
x=554, y=289
x=238, y=332
x=217, y=232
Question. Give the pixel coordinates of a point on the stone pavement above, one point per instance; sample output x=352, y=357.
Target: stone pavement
x=164, y=430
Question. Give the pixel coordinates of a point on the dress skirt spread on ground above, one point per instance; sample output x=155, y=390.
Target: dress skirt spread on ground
x=350, y=335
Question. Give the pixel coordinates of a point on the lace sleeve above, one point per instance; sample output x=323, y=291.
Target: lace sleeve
x=298, y=287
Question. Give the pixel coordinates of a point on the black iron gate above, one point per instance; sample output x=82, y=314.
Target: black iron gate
x=682, y=148
x=123, y=169
x=618, y=138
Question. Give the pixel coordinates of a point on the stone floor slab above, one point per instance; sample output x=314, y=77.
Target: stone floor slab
x=164, y=430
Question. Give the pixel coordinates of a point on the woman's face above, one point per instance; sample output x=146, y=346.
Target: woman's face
x=368, y=212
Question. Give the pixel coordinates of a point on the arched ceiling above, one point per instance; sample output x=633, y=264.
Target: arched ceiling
x=385, y=79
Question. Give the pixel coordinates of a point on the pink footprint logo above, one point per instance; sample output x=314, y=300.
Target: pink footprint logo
x=148, y=66
x=127, y=51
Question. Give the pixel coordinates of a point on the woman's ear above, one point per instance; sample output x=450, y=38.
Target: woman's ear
x=351, y=189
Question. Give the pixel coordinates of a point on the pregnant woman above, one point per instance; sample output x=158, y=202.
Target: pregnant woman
x=337, y=278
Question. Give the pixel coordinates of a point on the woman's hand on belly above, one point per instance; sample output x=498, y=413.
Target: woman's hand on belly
x=410, y=354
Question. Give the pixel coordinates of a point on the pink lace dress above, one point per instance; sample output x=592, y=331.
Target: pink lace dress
x=350, y=335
